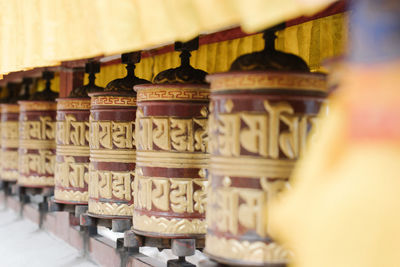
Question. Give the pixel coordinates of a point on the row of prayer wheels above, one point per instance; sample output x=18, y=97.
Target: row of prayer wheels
x=182, y=157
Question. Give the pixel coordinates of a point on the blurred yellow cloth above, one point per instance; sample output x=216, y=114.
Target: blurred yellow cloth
x=343, y=208
x=37, y=33
x=314, y=41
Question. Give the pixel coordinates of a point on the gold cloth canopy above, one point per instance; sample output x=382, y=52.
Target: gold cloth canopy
x=36, y=33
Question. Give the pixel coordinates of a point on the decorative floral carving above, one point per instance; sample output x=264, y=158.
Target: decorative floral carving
x=168, y=226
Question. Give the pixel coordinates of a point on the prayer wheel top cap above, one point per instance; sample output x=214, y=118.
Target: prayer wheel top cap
x=172, y=92
x=272, y=81
x=73, y=103
x=270, y=59
x=9, y=108
x=185, y=73
x=47, y=94
x=126, y=84
x=37, y=105
x=91, y=67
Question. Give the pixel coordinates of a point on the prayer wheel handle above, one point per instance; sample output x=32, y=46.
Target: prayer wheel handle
x=185, y=48
x=269, y=36
x=270, y=59
x=13, y=92
x=26, y=84
x=126, y=83
x=47, y=94
x=91, y=67
x=130, y=59
x=48, y=76
x=185, y=73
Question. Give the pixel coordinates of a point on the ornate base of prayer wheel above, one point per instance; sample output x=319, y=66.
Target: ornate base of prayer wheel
x=9, y=142
x=171, y=139
x=37, y=145
x=112, y=154
x=258, y=127
x=72, y=160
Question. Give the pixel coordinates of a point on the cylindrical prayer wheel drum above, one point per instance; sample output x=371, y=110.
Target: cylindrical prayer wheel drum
x=72, y=161
x=171, y=138
x=112, y=145
x=36, y=154
x=258, y=127
x=112, y=154
x=171, y=143
x=9, y=142
x=72, y=139
x=9, y=114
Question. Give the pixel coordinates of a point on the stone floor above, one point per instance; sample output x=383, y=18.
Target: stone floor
x=22, y=243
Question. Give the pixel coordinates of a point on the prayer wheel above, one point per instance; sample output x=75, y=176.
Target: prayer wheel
x=171, y=162
x=260, y=114
x=9, y=142
x=10, y=132
x=72, y=141
x=36, y=153
x=112, y=145
x=2, y=100
x=9, y=136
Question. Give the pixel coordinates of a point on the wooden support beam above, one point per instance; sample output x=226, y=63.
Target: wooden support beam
x=70, y=77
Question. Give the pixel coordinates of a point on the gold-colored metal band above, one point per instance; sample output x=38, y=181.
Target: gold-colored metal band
x=251, y=167
x=9, y=175
x=36, y=180
x=268, y=80
x=71, y=195
x=9, y=108
x=113, y=155
x=37, y=144
x=112, y=209
x=176, y=94
x=67, y=104
x=129, y=101
x=10, y=143
x=66, y=150
x=37, y=105
x=172, y=159
x=250, y=252
x=168, y=226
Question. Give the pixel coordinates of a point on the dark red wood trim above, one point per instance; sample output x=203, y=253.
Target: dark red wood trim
x=70, y=78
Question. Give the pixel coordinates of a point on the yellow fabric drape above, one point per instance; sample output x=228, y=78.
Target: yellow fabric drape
x=37, y=33
x=314, y=41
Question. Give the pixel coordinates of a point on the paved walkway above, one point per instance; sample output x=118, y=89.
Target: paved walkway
x=23, y=244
